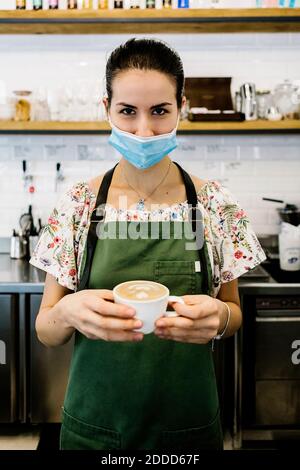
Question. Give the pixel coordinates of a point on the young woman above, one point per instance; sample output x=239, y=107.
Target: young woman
x=128, y=390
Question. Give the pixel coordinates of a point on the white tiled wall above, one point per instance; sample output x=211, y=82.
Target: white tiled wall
x=251, y=166
x=27, y=62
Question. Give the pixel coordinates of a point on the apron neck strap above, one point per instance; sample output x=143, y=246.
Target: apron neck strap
x=104, y=187
x=189, y=186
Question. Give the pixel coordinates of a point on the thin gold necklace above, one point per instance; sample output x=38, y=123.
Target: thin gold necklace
x=141, y=201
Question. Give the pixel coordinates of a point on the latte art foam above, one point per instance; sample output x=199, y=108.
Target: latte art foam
x=141, y=290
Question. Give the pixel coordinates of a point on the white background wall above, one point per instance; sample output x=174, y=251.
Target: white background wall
x=251, y=166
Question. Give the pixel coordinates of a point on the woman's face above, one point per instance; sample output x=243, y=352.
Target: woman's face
x=143, y=103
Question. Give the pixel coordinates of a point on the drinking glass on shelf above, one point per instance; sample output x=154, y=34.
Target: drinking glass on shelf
x=66, y=103
x=40, y=108
x=7, y=109
x=82, y=101
x=54, y=105
x=263, y=98
x=97, y=111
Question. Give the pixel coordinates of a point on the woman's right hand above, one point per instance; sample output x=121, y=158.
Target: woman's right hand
x=94, y=313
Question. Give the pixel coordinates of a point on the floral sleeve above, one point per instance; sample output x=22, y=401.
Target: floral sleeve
x=236, y=247
x=57, y=249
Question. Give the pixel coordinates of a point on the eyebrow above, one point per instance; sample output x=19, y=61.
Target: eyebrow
x=152, y=107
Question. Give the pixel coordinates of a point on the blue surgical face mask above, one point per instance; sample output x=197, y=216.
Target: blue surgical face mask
x=143, y=152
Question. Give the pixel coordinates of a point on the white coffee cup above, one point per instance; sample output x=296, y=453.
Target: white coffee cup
x=148, y=311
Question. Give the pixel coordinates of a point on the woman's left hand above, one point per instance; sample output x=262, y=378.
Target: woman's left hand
x=199, y=320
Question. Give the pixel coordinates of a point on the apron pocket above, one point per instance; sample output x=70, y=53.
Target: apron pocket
x=180, y=277
x=78, y=435
x=208, y=437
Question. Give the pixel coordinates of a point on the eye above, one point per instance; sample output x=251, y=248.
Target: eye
x=160, y=111
x=127, y=111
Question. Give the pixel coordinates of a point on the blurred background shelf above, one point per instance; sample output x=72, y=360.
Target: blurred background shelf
x=185, y=127
x=150, y=21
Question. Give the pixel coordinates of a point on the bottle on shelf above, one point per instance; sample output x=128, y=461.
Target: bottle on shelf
x=37, y=4
x=181, y=4
x=72, y=4
x=20, y=4
x=114, y=4
x=101, y=4
x=150, y=4
x=53, y=4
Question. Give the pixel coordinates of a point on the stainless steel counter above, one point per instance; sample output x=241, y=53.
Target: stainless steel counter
x=18, y=276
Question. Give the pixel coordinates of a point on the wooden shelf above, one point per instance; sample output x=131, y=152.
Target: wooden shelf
x=185, y=127
x=150, y=21
x=45, y=127
x=286, y=125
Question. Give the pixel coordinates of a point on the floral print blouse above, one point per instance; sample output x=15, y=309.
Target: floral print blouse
x=232, y=244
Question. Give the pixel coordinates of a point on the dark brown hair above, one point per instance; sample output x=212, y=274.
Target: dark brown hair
x=145, y=54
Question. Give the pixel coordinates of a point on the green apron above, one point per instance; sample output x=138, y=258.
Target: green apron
x=156, y=394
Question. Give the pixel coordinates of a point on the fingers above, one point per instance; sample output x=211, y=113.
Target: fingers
x=94, y=326
x=195, y=307
x=194, y=299
x=104, y=307
x=177, y=322
x=112, y=309
x=202, y=336
x=103, y=293
x=111, y=323
x=101, y=318
x=113, y=335
x=187, y=330
x=189, y=311
x=210, y=322
x=91, y=319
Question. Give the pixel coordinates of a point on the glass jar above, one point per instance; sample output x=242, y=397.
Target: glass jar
x=263, y=99
x=22, y=105
x=287, y=98
x=7, y=109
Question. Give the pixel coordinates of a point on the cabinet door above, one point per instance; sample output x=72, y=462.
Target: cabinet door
x=277, y=371
x=48, y=373
x=276, y=341
x=8, y=351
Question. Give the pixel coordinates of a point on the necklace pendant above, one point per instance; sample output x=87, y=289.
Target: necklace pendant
x=141, y=203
